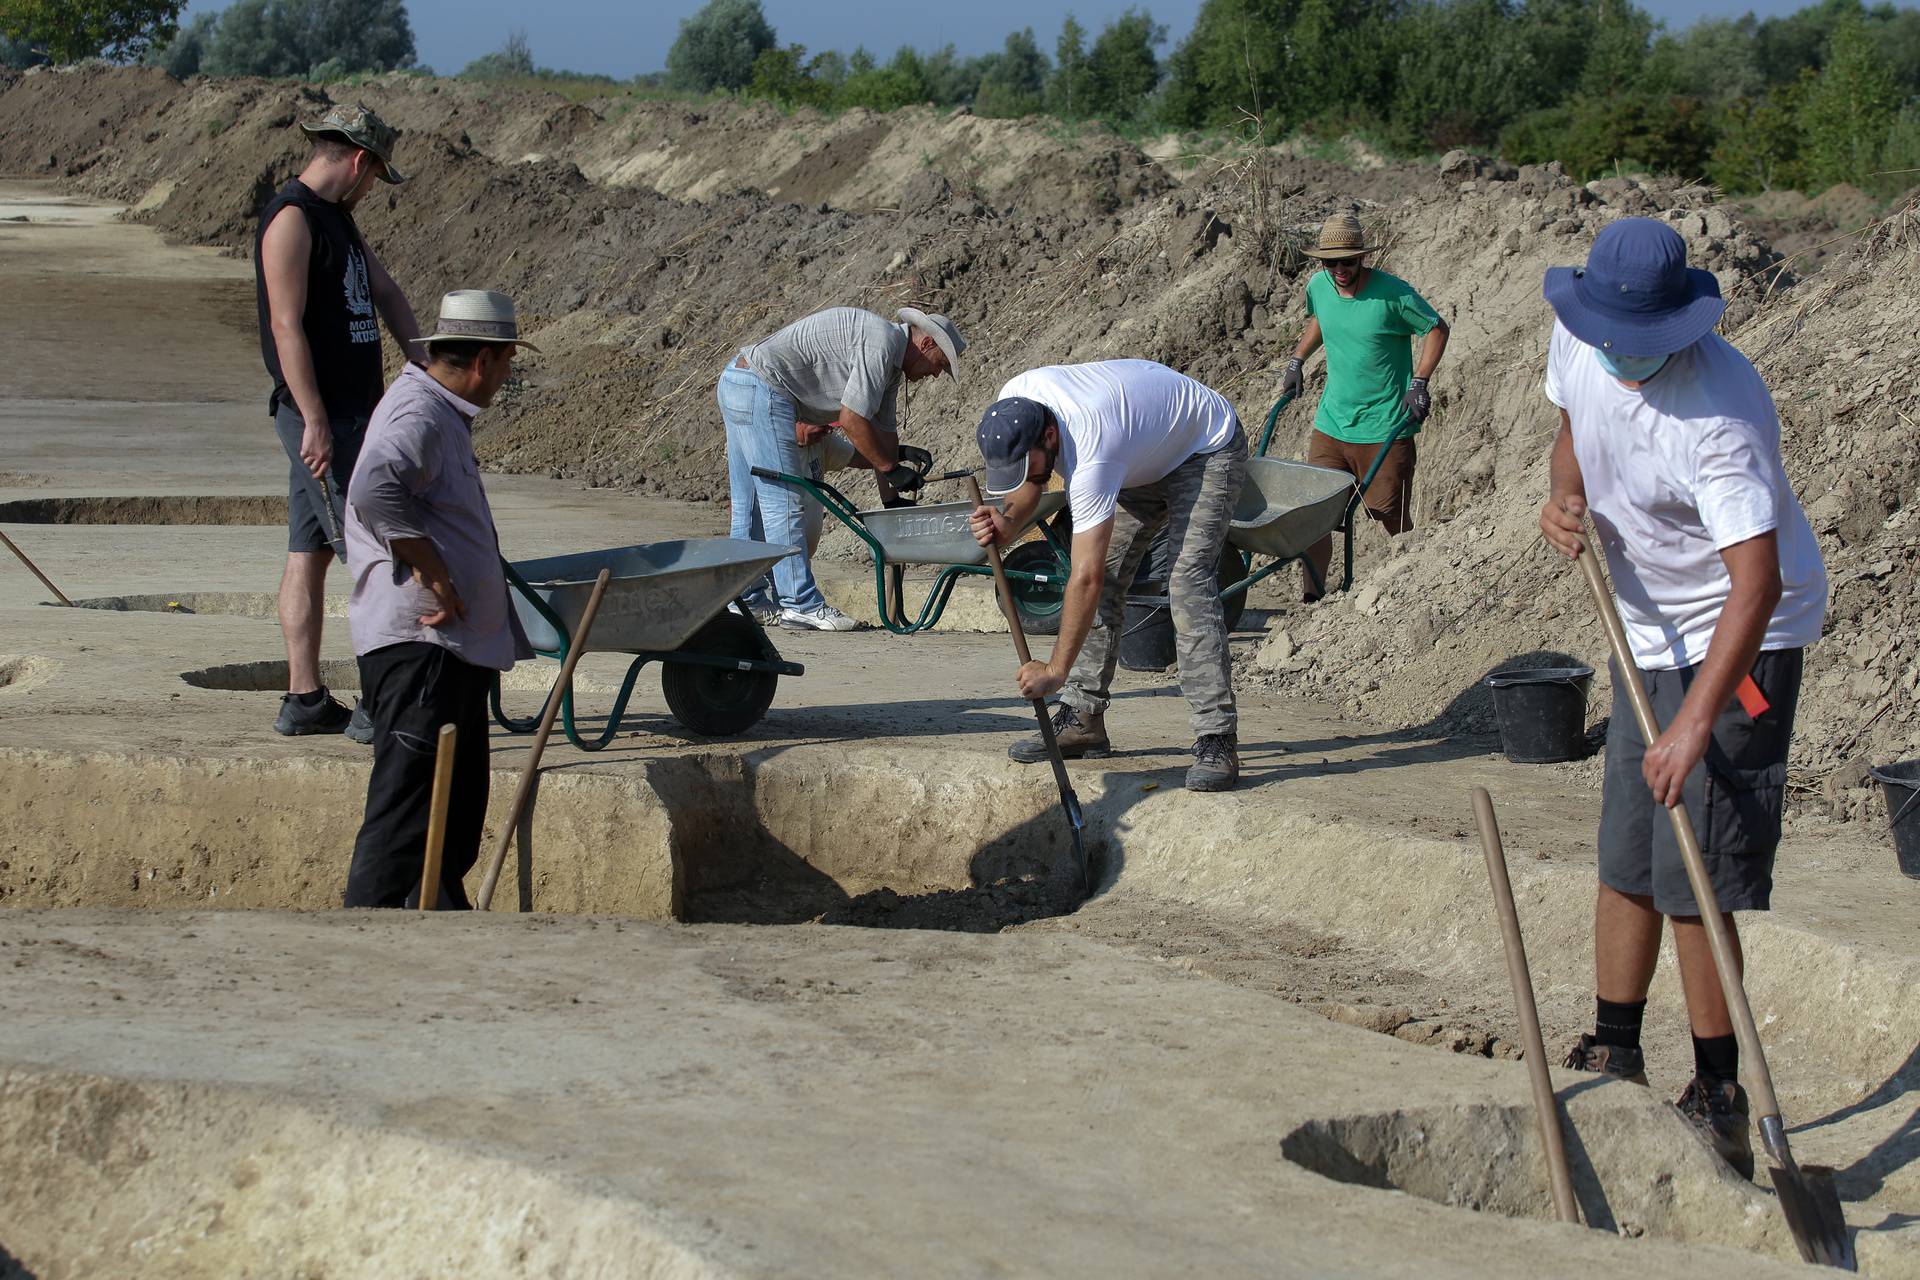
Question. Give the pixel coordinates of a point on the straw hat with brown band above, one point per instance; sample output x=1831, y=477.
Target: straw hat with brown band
x=1341, y=237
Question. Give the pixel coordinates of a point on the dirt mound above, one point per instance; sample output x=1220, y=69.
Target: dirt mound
x=1476, y=589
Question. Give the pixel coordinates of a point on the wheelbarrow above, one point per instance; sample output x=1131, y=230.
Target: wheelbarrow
x=934, y=534
x=1284, y=508
x=667, y=602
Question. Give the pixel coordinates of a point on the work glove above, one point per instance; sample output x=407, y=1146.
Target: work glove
x=1417, y=404
x=904, y=479
x=919, y=459
x=1291, y=383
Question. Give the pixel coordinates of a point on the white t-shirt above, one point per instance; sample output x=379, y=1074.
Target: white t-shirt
x=1676, y=471
x=1123, y=423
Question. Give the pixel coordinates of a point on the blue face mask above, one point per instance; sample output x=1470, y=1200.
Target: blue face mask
x=1631, y=368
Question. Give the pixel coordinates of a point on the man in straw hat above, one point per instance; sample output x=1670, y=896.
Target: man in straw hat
x=1375, y=385
x=1140, y=447
x=1668, y=438
x=842, y=366
x=431, y=620
x=318, y=287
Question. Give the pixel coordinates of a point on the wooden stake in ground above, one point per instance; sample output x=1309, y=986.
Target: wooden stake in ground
x=35, y=570
x=1808, y=1199
x=437, y=817
x=554, y=698
x=1544, y=1107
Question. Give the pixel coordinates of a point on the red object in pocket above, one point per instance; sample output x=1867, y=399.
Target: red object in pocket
x=1751, y=698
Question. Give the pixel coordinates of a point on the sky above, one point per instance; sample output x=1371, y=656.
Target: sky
x=621, y=38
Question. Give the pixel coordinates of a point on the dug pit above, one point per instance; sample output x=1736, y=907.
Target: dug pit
x=189, y=509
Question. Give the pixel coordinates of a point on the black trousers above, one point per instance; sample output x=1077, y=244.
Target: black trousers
x=410, y=690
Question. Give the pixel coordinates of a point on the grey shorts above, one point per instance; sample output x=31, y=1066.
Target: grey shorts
x=306, y=529
x=1734, y=796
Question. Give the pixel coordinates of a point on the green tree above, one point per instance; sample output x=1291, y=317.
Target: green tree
x=70, y=30
x=1072, y=83
x=717, y=46
x=181, y=56
x=1121, y=67
x=1715, y=59
x=1592, y=136
x=1617, y=53
x=513, y=60
x=1014, y=82
x=902, y=82
x=1434, y=106
x=787, y=77
x=1758, y=147
x=319, y=38
x=1848, y=109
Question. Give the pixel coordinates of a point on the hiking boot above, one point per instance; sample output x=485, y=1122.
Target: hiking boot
x=1216, y=763
x=1717, y=1109
x=1081, y=737
x=823, y=617
x=1589, y=1054
x=325, y=716
x=360, y=726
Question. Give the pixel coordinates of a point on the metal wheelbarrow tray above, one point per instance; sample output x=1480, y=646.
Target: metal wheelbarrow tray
x=667, y=601
x=936, y=534
x=1286, y=507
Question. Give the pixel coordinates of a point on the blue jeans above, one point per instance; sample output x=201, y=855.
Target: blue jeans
x=759, y=422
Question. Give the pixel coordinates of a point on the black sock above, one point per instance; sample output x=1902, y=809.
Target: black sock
x=313, y=699
x=1717, y=1057
x=1618, y=1024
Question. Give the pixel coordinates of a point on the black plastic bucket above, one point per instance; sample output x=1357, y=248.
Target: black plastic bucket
x=1146, y=631
x=1900, y=784
x=1542, y=713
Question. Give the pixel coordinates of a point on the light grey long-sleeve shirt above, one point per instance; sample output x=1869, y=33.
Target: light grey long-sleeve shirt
x=417, y=477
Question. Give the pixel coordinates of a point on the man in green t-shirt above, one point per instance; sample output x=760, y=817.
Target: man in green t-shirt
x=1375, y=386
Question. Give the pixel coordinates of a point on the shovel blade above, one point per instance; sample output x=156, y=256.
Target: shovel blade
x=1812, y=1208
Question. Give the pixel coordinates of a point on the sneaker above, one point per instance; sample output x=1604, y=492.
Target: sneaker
x=1717, y=1109
x=1589, y=1054
x=325, y=716
x=360, y=726
x=824, y=617
x=1216, y=763
x=1081, y=737
x=762, y=612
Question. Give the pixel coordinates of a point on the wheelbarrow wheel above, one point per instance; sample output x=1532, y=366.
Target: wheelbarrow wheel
x=1038, y=605
x=718, y=702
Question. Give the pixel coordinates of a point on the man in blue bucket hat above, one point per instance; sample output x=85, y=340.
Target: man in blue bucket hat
x=1669, y=440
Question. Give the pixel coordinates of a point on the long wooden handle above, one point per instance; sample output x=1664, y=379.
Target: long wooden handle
x=1759, y=1079
x=437, y=817
x=1000, y=585
x=35, y=570
x=554, y=697
x=1545, y=1109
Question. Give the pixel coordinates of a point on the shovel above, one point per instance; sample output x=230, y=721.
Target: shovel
x=1564, y=1205
x=1807, y=1195
x=1070, y=802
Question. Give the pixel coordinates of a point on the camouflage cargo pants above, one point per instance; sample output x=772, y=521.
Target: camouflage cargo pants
x=1195, y=500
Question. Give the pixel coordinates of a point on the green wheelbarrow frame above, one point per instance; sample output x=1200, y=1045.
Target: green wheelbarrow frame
x=769, y=662
x=888, y=579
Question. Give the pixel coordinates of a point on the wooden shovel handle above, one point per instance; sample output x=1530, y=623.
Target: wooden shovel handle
x=555, y=696
x=34, y=569
x=437, y=817
x=1752, y=1057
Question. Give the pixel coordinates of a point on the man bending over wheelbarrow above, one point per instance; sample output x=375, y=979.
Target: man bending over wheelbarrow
x=1669, y=438
x=1375, y=387
x=431, y=621
x=1138, y=446
x=842, y=366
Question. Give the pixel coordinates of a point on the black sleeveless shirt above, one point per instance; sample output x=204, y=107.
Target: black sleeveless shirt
x=343, y=333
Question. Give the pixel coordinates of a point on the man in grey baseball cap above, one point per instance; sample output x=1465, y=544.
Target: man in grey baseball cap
x=1140, y=446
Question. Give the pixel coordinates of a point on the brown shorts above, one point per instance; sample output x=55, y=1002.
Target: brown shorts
x=1389, y=498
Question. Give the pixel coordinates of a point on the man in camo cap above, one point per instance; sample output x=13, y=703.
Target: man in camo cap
x=319, y=288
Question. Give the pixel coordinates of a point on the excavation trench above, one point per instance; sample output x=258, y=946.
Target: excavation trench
x=195, y=509
x=779, y=835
